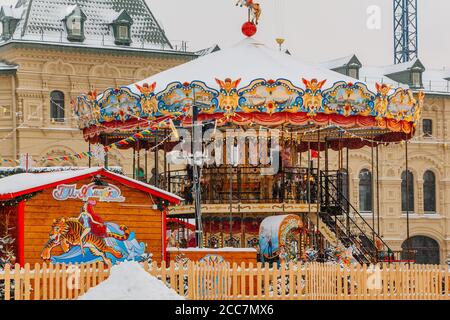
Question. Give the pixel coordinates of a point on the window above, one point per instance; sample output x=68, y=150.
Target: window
x=5, y=28
x=429, y=192
x=353, y=72
x=122, y=27
x=123, y=32
x=33, y=112
x=427, y=127
x=5, y=112
x=57, y=106
x=76, y=26
x=365, y=191
x=416, y=79
x=407, y=191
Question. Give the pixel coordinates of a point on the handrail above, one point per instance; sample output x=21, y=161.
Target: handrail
x=347, y=211
x=359, y=215
x=249, y=184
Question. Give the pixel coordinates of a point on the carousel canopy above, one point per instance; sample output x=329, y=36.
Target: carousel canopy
x=251, y=83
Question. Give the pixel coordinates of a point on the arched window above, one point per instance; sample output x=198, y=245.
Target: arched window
x=429, y=191
x=421, y=249
x=408, y=192
x=57, y=106
x=365, y=191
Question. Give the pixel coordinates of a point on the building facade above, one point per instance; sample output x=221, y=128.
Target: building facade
x=422, y=196
x=52, y=51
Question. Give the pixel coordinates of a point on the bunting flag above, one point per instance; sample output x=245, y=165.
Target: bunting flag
x=174, y=130
x=8, y=161
x=153, y=126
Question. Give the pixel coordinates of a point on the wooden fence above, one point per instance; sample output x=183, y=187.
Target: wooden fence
x=202, y=281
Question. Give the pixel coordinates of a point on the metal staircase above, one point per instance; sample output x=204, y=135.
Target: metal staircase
x=349, y=226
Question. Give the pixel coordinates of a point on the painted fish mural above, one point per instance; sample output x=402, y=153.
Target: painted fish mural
x=86, y=239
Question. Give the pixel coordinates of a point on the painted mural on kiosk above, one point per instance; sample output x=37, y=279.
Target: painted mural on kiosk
x=278, y=237
x=87, y=238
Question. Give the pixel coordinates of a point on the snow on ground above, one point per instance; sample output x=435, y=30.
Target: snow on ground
x=129, y=281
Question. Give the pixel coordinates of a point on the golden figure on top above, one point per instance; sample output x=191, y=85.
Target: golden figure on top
x=254, y=10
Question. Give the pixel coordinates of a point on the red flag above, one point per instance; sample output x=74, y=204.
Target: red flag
x=314, y=154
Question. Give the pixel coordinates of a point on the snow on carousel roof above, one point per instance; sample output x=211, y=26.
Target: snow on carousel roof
x=248, y=60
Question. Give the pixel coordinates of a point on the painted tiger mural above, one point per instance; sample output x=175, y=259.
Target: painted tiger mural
x=67, y=232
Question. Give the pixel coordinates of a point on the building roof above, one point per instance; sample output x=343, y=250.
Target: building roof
x=340, y=62
x=434, y=81
x=6, y=67
x=25, y=183
x=207, y=51
x=42, y=20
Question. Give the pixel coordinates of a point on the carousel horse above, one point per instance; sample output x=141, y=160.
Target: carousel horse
x=255, y=9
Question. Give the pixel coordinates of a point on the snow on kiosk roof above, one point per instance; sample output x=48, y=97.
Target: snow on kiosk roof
x=20, y=184
x=250, y=83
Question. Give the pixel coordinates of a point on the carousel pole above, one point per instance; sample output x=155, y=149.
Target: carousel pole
x=308, y=176
x=146, y=164
x=166, y=187
x=372, y=181
x=106, y=153
x=378, y=190
x=318, y=186
x=134, y=161
x=408, y=242
x=348, y=188
x=89, y=158
x=156, y=165
x=138, y=147
x=327, y=196
x=196, y=174
x=231, y=193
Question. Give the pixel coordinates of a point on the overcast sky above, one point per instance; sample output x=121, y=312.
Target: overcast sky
x=315, y=31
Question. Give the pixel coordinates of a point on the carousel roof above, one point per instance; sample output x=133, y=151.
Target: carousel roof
x=247, y=60
x=250, y=83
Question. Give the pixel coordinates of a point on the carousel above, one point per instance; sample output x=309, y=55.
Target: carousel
x=247, y=134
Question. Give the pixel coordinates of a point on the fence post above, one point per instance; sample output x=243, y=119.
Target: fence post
x=299, y=280
x=243, y=286
x=64, y=281
x=57, y=281
x=190, y=281
x=251, y=281
x=163, y=272
x=181, y=280
x=266, y=281
x=291, y=281
x=258, y=281
x=27, y=287
x=173, y=283
x=235, y=280
x=283, y=279
x=17, y=283
x=7, y=279
x=275, y=281
x=446, y=282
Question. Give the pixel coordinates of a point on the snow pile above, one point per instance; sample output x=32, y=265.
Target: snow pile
x=129, y=281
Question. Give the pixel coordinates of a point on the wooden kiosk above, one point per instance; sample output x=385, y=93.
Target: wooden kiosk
x=83, y=216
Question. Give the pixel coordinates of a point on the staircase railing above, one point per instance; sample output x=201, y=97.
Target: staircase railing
x=349, y=225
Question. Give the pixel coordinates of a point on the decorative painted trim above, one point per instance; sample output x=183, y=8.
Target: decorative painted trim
x=259, y=101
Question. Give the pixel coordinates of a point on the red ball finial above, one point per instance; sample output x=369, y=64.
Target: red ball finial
x=249, y=29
